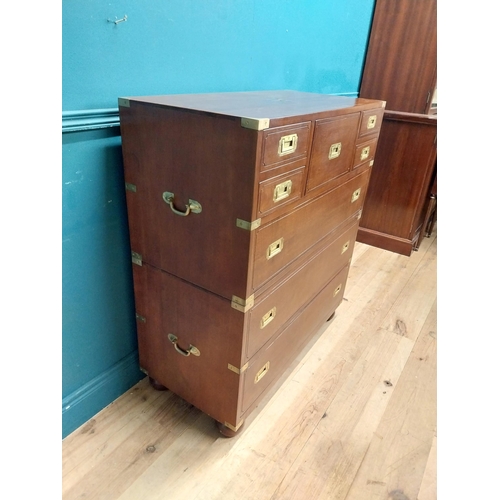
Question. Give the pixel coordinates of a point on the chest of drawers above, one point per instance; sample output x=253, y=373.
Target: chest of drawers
x=243, y=212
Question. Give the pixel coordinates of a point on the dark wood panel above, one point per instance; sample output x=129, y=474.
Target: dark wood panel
x=401, y=60
x=400, y=180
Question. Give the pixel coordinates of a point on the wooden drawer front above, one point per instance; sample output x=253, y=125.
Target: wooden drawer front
x=270, y=363
x=281, y=190
x=365, y=152
x=333, y=149
x=284, y=144
x=170, y=306
x=277, y=308
x=283, y=240
x=371, y=121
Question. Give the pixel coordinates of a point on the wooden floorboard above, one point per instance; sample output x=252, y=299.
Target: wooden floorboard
x=355, y=418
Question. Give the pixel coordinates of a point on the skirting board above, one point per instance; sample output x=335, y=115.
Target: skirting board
x=85, y=402
x=385, y=241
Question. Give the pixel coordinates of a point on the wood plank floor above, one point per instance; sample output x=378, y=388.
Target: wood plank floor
x=355, y=418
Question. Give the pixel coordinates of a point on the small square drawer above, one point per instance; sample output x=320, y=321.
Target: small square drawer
x=332, y=149
x=284, y=144
x=371, y=121
x=365, y=152
x=280, y=190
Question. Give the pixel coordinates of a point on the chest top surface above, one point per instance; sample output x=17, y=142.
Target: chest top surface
x=271, y=104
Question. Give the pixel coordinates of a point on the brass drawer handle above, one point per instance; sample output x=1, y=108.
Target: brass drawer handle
x=355, y=195
x=337, y=290
x=282, y=191
x=261, y=372
x=190, y=350
x=365, y=153
x=267, y=318
x=372, y=120
x=335, y=150
x=193, y=206
x=288, y=144
x=345, y=247
x=274, y=248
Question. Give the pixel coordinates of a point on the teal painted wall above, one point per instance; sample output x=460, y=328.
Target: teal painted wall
x=177, y=46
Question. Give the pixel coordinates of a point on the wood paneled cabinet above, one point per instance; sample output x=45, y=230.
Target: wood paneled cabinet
x=400, y=187
x=243, y=213
x=401, y=60
x=400, y=68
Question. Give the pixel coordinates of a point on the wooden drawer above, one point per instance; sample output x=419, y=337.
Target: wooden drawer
x=365, y=152
x=284, y=144
x=281, y=190
x=371, y=121
x=333, y=149
x=270, y=363
x=283, y=240
x=276, y=308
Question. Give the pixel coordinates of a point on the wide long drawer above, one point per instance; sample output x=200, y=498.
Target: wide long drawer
x=271, y=362
x=283, y=240
x=278, y=306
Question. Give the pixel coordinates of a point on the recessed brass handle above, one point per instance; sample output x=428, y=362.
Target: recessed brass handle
x=372, y=120
x=274, y=248
x=335, y=150
x=185, y=352
x=337, y=290
x=261, y=372
x=365, y=153
x=345, y=247
x=267, y=318
x=355, y=195
x=288, y=144
x=193, y=205
x=282, y=191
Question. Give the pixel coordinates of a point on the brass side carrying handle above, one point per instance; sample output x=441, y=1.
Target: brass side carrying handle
x=185, y=352
x=193, y=205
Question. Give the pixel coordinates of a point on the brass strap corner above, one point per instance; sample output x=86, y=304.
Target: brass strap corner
x=124, y=103
x=232, y=427
x=130, y=187
x=143, y=370
x=249, y=226
x=236, y=369
x=140, y=318
x=136, y=258
x=255, y=123
x=242, y=304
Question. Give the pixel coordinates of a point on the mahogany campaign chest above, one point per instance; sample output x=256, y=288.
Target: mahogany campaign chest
x=243, y=211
